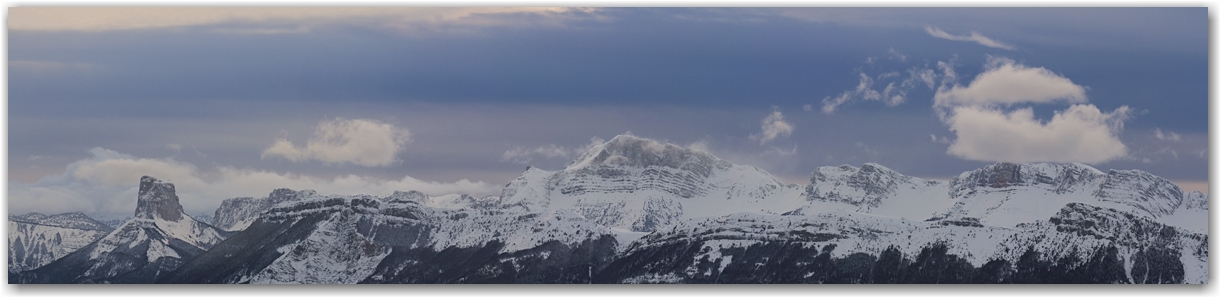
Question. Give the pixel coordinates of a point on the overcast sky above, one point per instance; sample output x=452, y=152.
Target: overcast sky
x=237, y=102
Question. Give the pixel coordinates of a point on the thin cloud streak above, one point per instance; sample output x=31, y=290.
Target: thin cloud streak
x=973, y=37
x=94, y=19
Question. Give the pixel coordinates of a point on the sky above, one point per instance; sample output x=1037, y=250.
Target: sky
x=236, y=102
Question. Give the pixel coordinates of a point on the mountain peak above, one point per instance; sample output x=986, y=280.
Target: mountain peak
x=867, y=184
x=632, y=151
x=157, y=200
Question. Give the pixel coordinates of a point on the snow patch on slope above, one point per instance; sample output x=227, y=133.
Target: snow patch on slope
x=333, y=254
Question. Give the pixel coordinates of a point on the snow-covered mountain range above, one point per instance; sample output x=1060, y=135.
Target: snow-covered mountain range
x=155, y=242
x=634, y=210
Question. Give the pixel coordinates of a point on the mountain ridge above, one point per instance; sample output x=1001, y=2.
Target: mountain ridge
x=634, y=210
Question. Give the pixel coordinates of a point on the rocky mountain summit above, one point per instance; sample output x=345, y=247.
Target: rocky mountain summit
x=156, y=241
x=633, y=184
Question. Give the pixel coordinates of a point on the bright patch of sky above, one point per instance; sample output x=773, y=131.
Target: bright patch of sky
x=230, y=102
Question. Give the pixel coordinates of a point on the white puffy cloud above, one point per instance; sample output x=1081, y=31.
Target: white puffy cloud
x=1082, y=133
x=773, y=126
x=106, y=185
x=359, y=141
x=973, y=37
x=987, y=128
x=1006, y=82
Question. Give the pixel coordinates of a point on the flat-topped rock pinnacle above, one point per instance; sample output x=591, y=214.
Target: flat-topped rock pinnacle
x=157, y=200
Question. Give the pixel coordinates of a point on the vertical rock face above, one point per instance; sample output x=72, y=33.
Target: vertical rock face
x=158, y=200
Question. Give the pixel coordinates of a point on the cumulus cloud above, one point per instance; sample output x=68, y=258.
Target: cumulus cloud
x=105, y=185
x=1006, y=82
x=359, y=141
x=987, y=129
x=973, y=37
x=773, y=126
x=1082, y=133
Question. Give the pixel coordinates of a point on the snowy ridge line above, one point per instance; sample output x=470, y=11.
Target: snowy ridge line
x=460, y=228
x=635, y=200
x=56, y=226
x=1073, y=233
x=71, y=220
